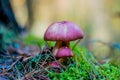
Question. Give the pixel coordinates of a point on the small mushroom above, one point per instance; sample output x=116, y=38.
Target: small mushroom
x=63, y=32
x=64, y=52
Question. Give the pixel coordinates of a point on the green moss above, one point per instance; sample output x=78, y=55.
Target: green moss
x=85, y=67
x=110, y=72
x=30, y=39
x=80, y=68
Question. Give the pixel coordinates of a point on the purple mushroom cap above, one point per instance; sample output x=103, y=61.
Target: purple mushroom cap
x=63, y=31
x=64, y=52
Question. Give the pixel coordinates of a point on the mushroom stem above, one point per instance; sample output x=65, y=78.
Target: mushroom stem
x=56, y=47
x=60, y=44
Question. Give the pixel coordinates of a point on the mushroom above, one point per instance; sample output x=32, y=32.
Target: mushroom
x=63, y=32
x=64, y=52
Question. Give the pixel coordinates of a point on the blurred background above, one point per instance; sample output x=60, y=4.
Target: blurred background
x=99, y=20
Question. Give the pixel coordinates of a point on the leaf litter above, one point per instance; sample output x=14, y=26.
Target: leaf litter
x=18, y=61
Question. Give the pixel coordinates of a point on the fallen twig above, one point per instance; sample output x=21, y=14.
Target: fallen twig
x=12, y=65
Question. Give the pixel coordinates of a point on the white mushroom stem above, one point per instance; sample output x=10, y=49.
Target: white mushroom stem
x=60, y=44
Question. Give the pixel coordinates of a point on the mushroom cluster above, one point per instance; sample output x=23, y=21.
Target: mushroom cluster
x=63, y=32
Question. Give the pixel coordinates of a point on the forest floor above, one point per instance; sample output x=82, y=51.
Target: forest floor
x=30, y=58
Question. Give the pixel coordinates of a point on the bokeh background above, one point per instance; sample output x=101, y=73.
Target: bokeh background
x=99, y=20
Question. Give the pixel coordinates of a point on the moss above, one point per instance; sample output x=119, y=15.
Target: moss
x=85, y=68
